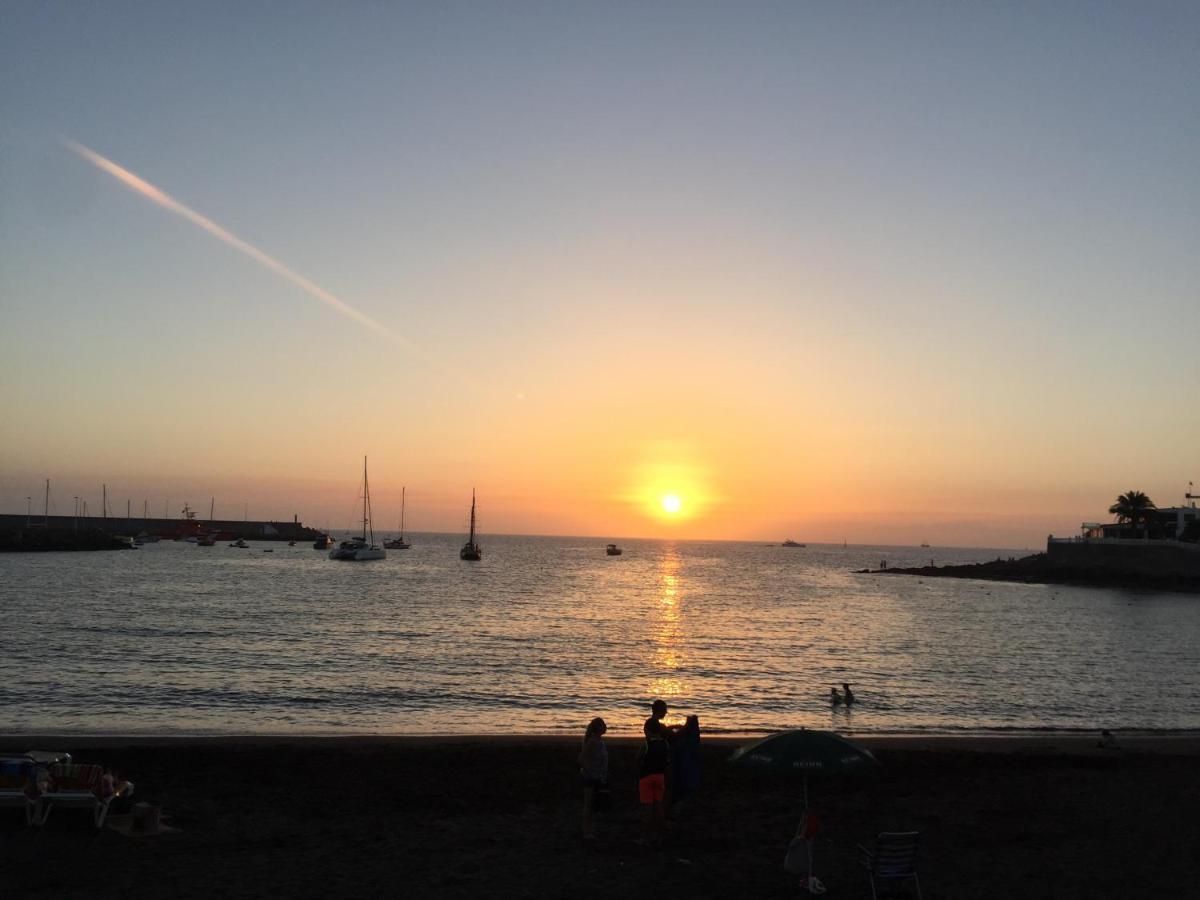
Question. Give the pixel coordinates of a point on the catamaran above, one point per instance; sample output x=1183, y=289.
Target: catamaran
x=359, y=549
x=399, y=543
x=471, y=550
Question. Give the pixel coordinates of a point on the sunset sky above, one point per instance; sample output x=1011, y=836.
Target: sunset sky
x=886, y=273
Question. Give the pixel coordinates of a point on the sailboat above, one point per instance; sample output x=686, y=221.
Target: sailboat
x=359, y=549
x=471, y=550
x=399, y=543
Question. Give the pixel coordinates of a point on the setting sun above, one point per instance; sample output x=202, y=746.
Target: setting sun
x=671, y=503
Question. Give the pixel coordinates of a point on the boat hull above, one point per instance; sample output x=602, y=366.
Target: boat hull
x=358, y=554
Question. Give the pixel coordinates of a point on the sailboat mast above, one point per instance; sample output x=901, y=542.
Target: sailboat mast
x=402, y=489
x=46, y=513
x=366, y=504
x=472, y=539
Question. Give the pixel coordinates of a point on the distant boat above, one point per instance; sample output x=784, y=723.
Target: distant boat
x=924, y=545
x=471, y=550
x=206, y=540
x=359, y=549
x=791, y=543
x=399, y=543
x=613, y=550
x=146, y=538
x=240, y=543
x=323, y=542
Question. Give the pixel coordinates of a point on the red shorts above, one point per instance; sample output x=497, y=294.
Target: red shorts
x=652, y=788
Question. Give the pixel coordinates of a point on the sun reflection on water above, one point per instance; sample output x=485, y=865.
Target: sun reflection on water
x=668, y=629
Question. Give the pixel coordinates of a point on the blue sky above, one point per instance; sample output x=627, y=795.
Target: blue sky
x=974, y=227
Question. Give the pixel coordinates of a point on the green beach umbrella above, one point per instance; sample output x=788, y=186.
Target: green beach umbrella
x=805, y=752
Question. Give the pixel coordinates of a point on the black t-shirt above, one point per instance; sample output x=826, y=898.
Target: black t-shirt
x=658, y=752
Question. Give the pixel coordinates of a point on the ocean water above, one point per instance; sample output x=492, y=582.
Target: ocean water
x=545, y=633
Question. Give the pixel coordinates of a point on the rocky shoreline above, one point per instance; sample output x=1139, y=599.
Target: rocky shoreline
x=1041, y=569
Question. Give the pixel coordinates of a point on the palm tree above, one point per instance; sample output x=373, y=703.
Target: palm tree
x=1132, y=507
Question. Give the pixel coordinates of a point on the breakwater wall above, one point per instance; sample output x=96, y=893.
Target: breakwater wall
x=164, y=528
x=41, y=540
x=1126, y=557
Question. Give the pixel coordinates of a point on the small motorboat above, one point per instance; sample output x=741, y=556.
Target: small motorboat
x=791, y=543
x=613, y=550
x=323, y=542
x=240, y=543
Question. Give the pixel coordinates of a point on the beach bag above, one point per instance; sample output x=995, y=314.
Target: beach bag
x=602, y=798
x=796, y=860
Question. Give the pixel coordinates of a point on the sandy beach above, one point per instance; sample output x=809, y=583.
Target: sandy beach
x=1030, y=816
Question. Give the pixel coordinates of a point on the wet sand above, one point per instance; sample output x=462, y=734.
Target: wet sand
x=1029, y=816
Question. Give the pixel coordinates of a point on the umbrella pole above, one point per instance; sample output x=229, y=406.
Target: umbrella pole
x=808, y=841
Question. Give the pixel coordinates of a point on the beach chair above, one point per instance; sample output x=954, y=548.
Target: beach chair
x=893, y=860
x=76, y=786
x=18, y=785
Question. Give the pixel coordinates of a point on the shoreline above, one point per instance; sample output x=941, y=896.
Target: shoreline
x=1139, y=740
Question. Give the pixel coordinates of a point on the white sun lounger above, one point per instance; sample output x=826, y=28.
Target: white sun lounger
x=79, y=787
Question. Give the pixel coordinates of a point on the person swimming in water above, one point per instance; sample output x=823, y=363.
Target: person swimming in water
x=847, y=694
x=835, y=699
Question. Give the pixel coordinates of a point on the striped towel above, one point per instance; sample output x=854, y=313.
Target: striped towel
x=75, y=777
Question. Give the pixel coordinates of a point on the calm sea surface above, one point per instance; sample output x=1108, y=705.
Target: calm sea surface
x=548, y=632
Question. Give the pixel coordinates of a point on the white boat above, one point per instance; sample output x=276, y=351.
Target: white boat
x=360, y=549
x=471, y=550
x=790, y=543
x=399, y=543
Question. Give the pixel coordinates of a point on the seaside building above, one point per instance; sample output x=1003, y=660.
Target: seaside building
x=1162, y=542
x=1164, y=524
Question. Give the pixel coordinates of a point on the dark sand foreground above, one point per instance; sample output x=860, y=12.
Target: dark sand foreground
x=411, y=817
